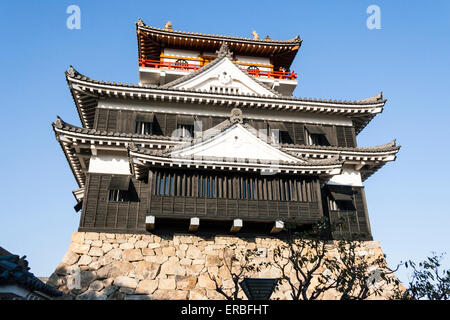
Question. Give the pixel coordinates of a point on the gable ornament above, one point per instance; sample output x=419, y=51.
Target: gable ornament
x=236, y=115
x=224, y=78
x=224, y=51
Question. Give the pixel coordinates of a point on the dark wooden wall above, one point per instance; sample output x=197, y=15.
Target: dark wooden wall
x=100, y=214
x=306, y=204
x=349, y=224
x=125, y=121
x=265, y=204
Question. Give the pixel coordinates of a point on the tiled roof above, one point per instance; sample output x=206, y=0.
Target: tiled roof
x=14, y=270
x=301, y=161
x=60, y=124
x=74, y=74
x=391, y=146
x=295, y=41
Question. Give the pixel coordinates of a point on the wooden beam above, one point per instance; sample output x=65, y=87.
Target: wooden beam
x=237, y=225
x=277, y=227
x=358, y=167
x=150, y=222
x=194, y=224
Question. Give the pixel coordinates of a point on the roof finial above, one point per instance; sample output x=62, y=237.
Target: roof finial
x=140, y=23
x=267, y=38
x=58, y=123
x=224, y=51
x=168, y=26
x=255, y=35
x=380, y=95
x=71, y=72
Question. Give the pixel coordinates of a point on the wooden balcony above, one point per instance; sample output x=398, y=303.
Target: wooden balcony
x=182, y=66
x=167, y=65
x=222, y=209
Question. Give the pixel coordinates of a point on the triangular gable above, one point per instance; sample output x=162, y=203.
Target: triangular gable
x=222, y=76
x=234, y=142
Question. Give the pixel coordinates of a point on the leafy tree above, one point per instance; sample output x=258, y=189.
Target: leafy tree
x=238, y=263
x=312, y=265
x=427, y=281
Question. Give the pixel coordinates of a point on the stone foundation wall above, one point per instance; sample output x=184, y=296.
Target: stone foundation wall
x=129, y=266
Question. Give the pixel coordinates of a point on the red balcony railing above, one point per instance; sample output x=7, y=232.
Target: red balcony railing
x=169, y=65
x=272, y=74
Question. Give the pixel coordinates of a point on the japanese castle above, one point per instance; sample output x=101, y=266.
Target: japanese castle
x=212, y=139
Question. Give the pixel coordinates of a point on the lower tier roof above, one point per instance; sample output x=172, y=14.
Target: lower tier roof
x=79, y=144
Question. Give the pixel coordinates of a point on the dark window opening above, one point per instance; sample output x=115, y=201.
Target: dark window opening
x=118, y=195
x=278, y=132
x=185, y=130
x=144, y=127
x=207, y=185
x=319, y=139
x=121, y=189
x=285, y=137
x=345, y=205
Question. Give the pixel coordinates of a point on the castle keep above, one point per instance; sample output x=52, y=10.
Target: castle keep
x=208, y=148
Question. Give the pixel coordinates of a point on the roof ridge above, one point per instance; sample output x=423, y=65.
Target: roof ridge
x=294, y=41
x=390, y=145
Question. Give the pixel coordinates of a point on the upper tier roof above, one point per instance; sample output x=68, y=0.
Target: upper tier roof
x=152, y=39
x=87, y=92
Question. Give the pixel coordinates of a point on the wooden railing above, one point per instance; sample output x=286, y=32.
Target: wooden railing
x=169, y=65
x=227, y=209
x=272, y=74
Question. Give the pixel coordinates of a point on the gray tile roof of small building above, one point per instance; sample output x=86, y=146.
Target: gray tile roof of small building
x=14, y=270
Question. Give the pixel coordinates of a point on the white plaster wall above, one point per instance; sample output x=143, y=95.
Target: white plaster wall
x=257, y=60
x=181, y=53
x=348, y=177
x=109, y=164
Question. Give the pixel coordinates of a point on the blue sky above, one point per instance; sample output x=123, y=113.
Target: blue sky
x=340, y=58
